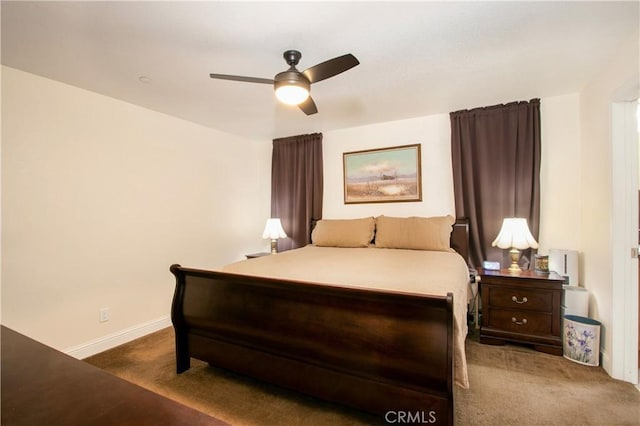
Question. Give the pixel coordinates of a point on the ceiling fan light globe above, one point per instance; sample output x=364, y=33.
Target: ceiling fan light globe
x=292, y=94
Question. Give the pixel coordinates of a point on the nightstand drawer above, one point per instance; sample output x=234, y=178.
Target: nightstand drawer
x=514, y=298
x=520, y=321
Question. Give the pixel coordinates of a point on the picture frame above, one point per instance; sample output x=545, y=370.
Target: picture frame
x=383, y=175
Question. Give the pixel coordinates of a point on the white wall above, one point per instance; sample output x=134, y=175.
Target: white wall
x=100, y=197
x=433, y=132
x=560, y=173
x=617, y=81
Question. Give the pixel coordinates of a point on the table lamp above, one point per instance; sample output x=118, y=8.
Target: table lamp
x=515, y=235
x=273, y=230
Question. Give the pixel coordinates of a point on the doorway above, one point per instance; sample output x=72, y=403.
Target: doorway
x=625, y=234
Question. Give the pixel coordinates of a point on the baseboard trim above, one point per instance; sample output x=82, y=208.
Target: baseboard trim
x=112, y=340
x=605, y=362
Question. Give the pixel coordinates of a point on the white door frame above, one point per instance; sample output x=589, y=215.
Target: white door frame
x=624, y=322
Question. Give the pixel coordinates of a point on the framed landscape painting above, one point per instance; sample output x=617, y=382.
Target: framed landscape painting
x=382, y=175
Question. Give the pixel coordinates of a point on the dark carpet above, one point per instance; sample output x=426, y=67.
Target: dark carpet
x=510, y=385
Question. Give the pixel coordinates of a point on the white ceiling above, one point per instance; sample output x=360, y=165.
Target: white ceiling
x=416, y=58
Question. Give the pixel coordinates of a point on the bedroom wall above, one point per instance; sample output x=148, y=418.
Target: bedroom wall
x=433, y=132
x=559, y=174
x=100, y=197
x=616, y=82
x=560, y=189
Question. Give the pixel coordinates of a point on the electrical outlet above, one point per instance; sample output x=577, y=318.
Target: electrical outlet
x=104, y=314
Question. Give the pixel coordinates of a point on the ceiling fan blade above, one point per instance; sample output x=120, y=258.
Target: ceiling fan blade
x=240, y=78
x=308, y=106
x=330, y=68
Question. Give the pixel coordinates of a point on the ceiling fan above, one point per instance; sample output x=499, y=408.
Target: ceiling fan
x=292, y=86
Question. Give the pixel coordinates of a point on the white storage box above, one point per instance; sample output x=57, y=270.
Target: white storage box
x=576, y=301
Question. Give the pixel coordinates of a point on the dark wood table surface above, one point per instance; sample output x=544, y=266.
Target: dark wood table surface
x=42, y=386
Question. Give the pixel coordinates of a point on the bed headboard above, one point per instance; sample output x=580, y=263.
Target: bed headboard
x=460, y=238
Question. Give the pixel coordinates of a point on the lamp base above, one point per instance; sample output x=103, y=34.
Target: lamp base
x=514, y=268
x=274, y=246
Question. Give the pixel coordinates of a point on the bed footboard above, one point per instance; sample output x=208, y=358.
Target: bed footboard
x=382, y=352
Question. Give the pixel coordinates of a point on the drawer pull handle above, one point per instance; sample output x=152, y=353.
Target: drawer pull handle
x=515, y=321
x=515, y=299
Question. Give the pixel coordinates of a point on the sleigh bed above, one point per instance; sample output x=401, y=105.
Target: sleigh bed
x=381, y=337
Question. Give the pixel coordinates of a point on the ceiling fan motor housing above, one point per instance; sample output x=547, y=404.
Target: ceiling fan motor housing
x=291, y=77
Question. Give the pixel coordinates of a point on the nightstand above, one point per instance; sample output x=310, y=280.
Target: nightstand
x=254, y=255
x=522, y=308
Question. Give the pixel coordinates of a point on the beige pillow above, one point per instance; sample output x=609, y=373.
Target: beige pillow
x=417, y=233
x=343, y=232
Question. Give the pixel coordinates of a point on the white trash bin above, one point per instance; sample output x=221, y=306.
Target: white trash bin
x=582, y=340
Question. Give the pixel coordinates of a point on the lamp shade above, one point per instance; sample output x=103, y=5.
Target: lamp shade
x=273, y=229
x=515, y=234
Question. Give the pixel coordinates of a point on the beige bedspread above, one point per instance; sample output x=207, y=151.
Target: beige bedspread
x=413, y=271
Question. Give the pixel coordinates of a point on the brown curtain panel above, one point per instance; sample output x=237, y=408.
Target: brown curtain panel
x=296, y=186
x=496, y=172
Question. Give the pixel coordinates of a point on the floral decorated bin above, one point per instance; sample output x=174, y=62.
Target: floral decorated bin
x=582, y=340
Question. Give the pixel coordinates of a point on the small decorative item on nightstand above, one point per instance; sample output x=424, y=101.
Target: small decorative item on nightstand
x=541, y=263
x=490, y=266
